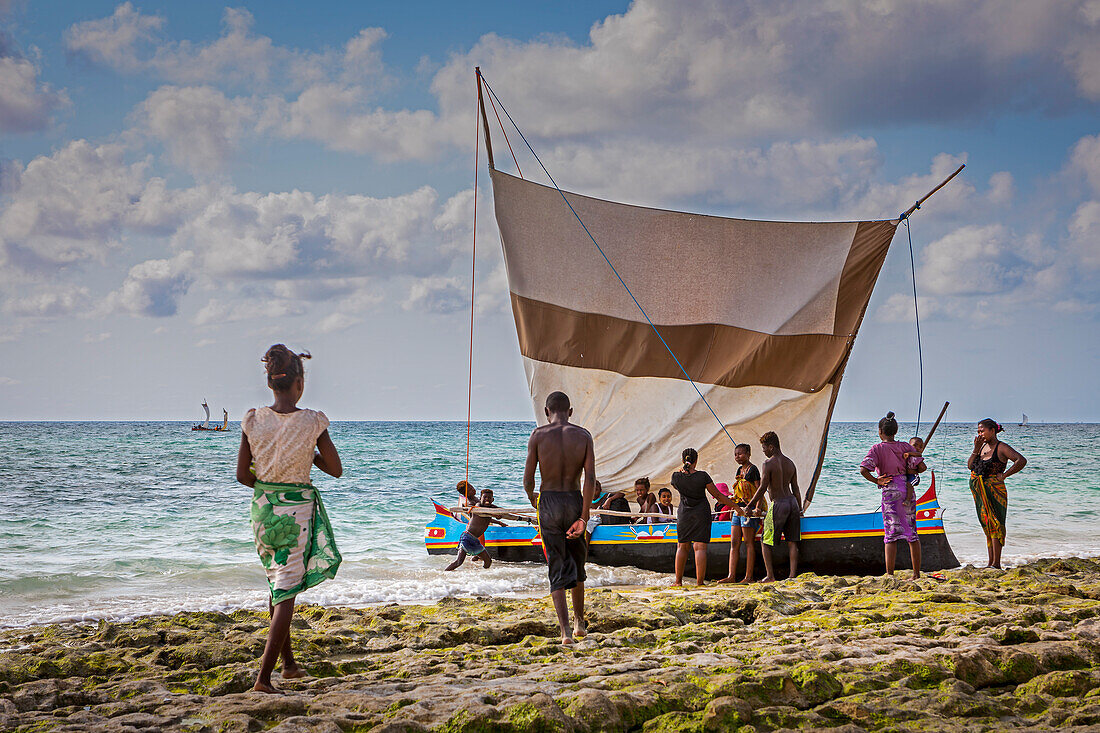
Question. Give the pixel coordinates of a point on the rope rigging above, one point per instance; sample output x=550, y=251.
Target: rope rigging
x=916, y=315
x=473, y=266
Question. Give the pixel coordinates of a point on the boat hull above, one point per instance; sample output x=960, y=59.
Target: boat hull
x=848, y=544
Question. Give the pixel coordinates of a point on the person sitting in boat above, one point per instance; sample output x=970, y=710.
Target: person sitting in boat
x=899, y=508
x=663, y=506
x=614, y=501
x=745, y=523
x=693, y=520
x=470, y=542
x=646, y=500
x=779, y=478
x=724, y=512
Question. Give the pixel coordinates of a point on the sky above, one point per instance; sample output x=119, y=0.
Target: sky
x=184, y=184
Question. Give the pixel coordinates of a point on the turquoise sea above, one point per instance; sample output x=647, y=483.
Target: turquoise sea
x=118, y=520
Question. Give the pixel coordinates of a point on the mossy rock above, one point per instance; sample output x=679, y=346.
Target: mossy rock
x=675, y=722
x=1072, y=683
x=726, y=713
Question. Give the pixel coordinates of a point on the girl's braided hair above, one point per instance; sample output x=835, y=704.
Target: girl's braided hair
x=284, y=367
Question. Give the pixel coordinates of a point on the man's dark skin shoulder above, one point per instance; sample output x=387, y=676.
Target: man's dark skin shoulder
x=560, y=451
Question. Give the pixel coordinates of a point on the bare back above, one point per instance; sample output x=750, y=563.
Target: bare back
x=780, y=477
x=561, y=451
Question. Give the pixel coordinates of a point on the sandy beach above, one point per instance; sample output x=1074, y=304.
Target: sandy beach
x=980, y=649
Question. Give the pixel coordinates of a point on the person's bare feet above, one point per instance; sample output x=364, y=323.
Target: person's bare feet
x=677, y=585
x=915, y=576
x=293, y=673
x=566, y=640
x=729, y=579
x=768, y=579
x=266, y=687
x=744, y=581
x=488, y=561
x=580, y=629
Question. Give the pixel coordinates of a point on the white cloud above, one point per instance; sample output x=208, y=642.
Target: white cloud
x=342, y=118
x=334, y=322
x=218, y=311
x=741, y=70
x=1084, y=233
x=25, y=103
x=115, y=41
x=1084, y=161
x=8, y=382
x=971, y=260
x=438, y=295
x=73, y=205
x=41, y=301
x=199, y=126
x=131, y=42
x=153, y=288
x=95, y=338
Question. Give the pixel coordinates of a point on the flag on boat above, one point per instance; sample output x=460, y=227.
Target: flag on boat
x=761, y=314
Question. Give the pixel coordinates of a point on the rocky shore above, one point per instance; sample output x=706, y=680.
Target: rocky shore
x=979, y=650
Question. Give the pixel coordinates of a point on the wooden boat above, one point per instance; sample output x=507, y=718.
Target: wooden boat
x=844, y=544
x=205, y=425
x=671, y=330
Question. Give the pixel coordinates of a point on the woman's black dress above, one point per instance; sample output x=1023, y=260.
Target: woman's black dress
x=693, y=516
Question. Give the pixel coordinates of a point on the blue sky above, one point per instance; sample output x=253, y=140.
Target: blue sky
x=183, y=184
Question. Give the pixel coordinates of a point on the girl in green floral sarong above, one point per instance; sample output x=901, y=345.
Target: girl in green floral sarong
x=988, y=466
x=289, y=524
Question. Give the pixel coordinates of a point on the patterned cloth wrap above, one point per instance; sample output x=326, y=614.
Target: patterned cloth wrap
x=899, y=515
x=991, y=503
x=293, y=538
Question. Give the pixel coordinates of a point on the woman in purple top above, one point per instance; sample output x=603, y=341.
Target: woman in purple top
x=899, y=505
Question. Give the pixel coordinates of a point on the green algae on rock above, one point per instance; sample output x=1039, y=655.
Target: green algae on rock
x=980, y=649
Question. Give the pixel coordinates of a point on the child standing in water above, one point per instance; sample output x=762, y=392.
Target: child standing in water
x=289, y=524
x=899, y=515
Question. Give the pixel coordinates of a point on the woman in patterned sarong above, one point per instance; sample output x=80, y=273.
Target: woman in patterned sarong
x=289, y=525
x=989, y=468
x=899, y=506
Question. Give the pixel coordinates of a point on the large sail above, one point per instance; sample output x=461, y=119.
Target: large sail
x=762, y=315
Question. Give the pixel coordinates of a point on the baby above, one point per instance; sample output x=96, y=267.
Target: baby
x=913, y=459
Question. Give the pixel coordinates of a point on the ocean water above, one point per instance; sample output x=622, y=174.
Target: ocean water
x=117, y=520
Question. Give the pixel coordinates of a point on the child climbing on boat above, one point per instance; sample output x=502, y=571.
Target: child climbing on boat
x=899, y=512
x=470, y=542
x=289, y=524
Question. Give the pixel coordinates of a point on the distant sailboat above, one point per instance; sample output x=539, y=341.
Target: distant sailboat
x=1023, y=421
x=224, y=427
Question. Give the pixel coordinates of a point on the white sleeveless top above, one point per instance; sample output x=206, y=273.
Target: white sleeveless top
x=282, y=444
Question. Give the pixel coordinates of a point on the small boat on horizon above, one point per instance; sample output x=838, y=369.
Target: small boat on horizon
x=205, y=426
x=1023, y=420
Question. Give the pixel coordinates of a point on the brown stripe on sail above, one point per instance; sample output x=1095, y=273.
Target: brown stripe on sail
x=711, y=353
x=861, y=268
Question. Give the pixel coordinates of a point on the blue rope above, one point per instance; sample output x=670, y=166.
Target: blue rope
x=916, y=313
x=608, y=261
